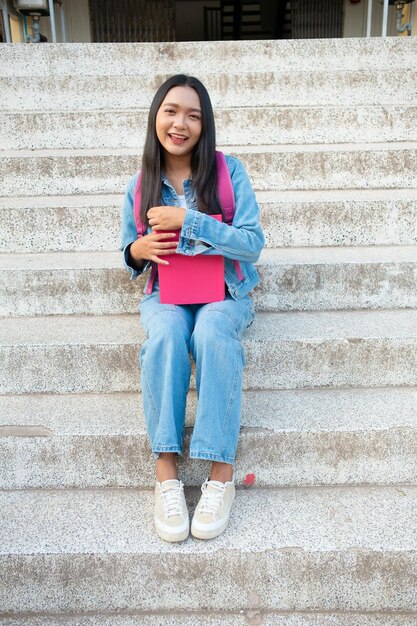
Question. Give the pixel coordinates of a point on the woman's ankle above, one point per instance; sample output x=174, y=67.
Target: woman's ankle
x=222, y=472
x=166, y=466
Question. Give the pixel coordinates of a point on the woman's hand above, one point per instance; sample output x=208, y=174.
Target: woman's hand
x=166, y=217
x=151, y=247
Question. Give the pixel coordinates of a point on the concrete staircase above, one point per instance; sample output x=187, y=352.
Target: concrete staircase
x=328, y=534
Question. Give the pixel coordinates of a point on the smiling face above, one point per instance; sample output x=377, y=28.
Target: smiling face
x=178, y=122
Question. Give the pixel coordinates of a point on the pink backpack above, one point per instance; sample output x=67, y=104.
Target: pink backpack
x=227, y=202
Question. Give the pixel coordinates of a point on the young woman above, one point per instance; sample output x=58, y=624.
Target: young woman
x=179, y=191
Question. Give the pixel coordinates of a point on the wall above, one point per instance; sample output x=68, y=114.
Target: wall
x=189, y=20
x=15, y=30
x=356, y=18
x=77, y=22
x=407, y=17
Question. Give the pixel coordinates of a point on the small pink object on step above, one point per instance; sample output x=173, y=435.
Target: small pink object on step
x=249, y=480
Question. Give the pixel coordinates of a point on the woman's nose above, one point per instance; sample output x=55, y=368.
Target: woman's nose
x=179, y=121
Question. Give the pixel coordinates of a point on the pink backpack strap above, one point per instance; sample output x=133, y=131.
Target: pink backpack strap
x=225, y=188
x=140, y=227
x=226, y=197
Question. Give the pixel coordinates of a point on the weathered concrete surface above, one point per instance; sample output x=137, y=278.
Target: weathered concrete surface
x=248, y=617
x=260, y=88
x=72, y=223
x=296, y=549
x=287, y=438
x=336, y=278
x=301, y=411
x=290, y=219
x=290, y=279
x=283, y=351
x=234, y=126
x=277, y=459
x=270, y=167
x=144, y=58
x=339, y=217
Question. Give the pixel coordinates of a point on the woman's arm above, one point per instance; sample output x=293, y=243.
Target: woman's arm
x=138, y=253
x=242, y=241
x=128, y=233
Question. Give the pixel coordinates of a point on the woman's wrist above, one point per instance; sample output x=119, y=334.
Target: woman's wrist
x=134, y=255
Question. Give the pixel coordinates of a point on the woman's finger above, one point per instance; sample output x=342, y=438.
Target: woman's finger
x=163, y=252
x=156, y=259
x=161, y=236
x=172, y=245
x=162, y=249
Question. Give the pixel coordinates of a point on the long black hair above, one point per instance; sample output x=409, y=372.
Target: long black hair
x=203, y=160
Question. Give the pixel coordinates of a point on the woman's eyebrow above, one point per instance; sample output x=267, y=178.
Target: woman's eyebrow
x=172, y=104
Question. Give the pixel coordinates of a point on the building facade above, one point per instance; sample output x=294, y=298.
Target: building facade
x=84, y=21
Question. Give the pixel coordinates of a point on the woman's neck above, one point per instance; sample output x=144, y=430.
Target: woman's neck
x=177, y=168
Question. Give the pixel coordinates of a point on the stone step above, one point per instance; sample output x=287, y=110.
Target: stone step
x=288, y=438
x=336, y=166
x=299, y=87
x=290, y=218
x=226, y=618
x=146, y=59
x=247, y=126
x=303, y=279
x=71, y=354
x=347, y=549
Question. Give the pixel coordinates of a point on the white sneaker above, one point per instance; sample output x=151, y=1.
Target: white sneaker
x=172, y=522
x=213, y=510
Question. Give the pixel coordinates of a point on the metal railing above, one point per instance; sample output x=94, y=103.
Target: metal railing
x=127, y=21
x=316, y=19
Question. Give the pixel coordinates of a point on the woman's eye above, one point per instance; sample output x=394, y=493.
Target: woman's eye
x=169, y=111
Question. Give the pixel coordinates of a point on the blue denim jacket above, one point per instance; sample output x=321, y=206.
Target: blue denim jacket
x=201, y=234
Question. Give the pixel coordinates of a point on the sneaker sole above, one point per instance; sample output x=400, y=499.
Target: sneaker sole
x=208, y=534
x=172, y=537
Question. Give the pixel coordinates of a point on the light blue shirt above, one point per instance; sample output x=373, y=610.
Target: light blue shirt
x=201, y=234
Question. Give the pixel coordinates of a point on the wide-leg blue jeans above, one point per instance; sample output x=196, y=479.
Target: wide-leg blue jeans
x=212, y=333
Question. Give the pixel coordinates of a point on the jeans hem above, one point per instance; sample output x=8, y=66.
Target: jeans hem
x=210, y=456
x=159, y=449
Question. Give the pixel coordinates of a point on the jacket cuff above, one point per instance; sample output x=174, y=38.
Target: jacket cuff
x=134, y=273
x=189, y=231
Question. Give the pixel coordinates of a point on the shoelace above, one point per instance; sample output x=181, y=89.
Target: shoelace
x=172, y=500
x=211, y=501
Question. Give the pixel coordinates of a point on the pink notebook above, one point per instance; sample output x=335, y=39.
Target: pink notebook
x=192, y=279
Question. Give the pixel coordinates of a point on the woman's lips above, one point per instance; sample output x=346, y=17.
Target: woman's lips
x=177, y=139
